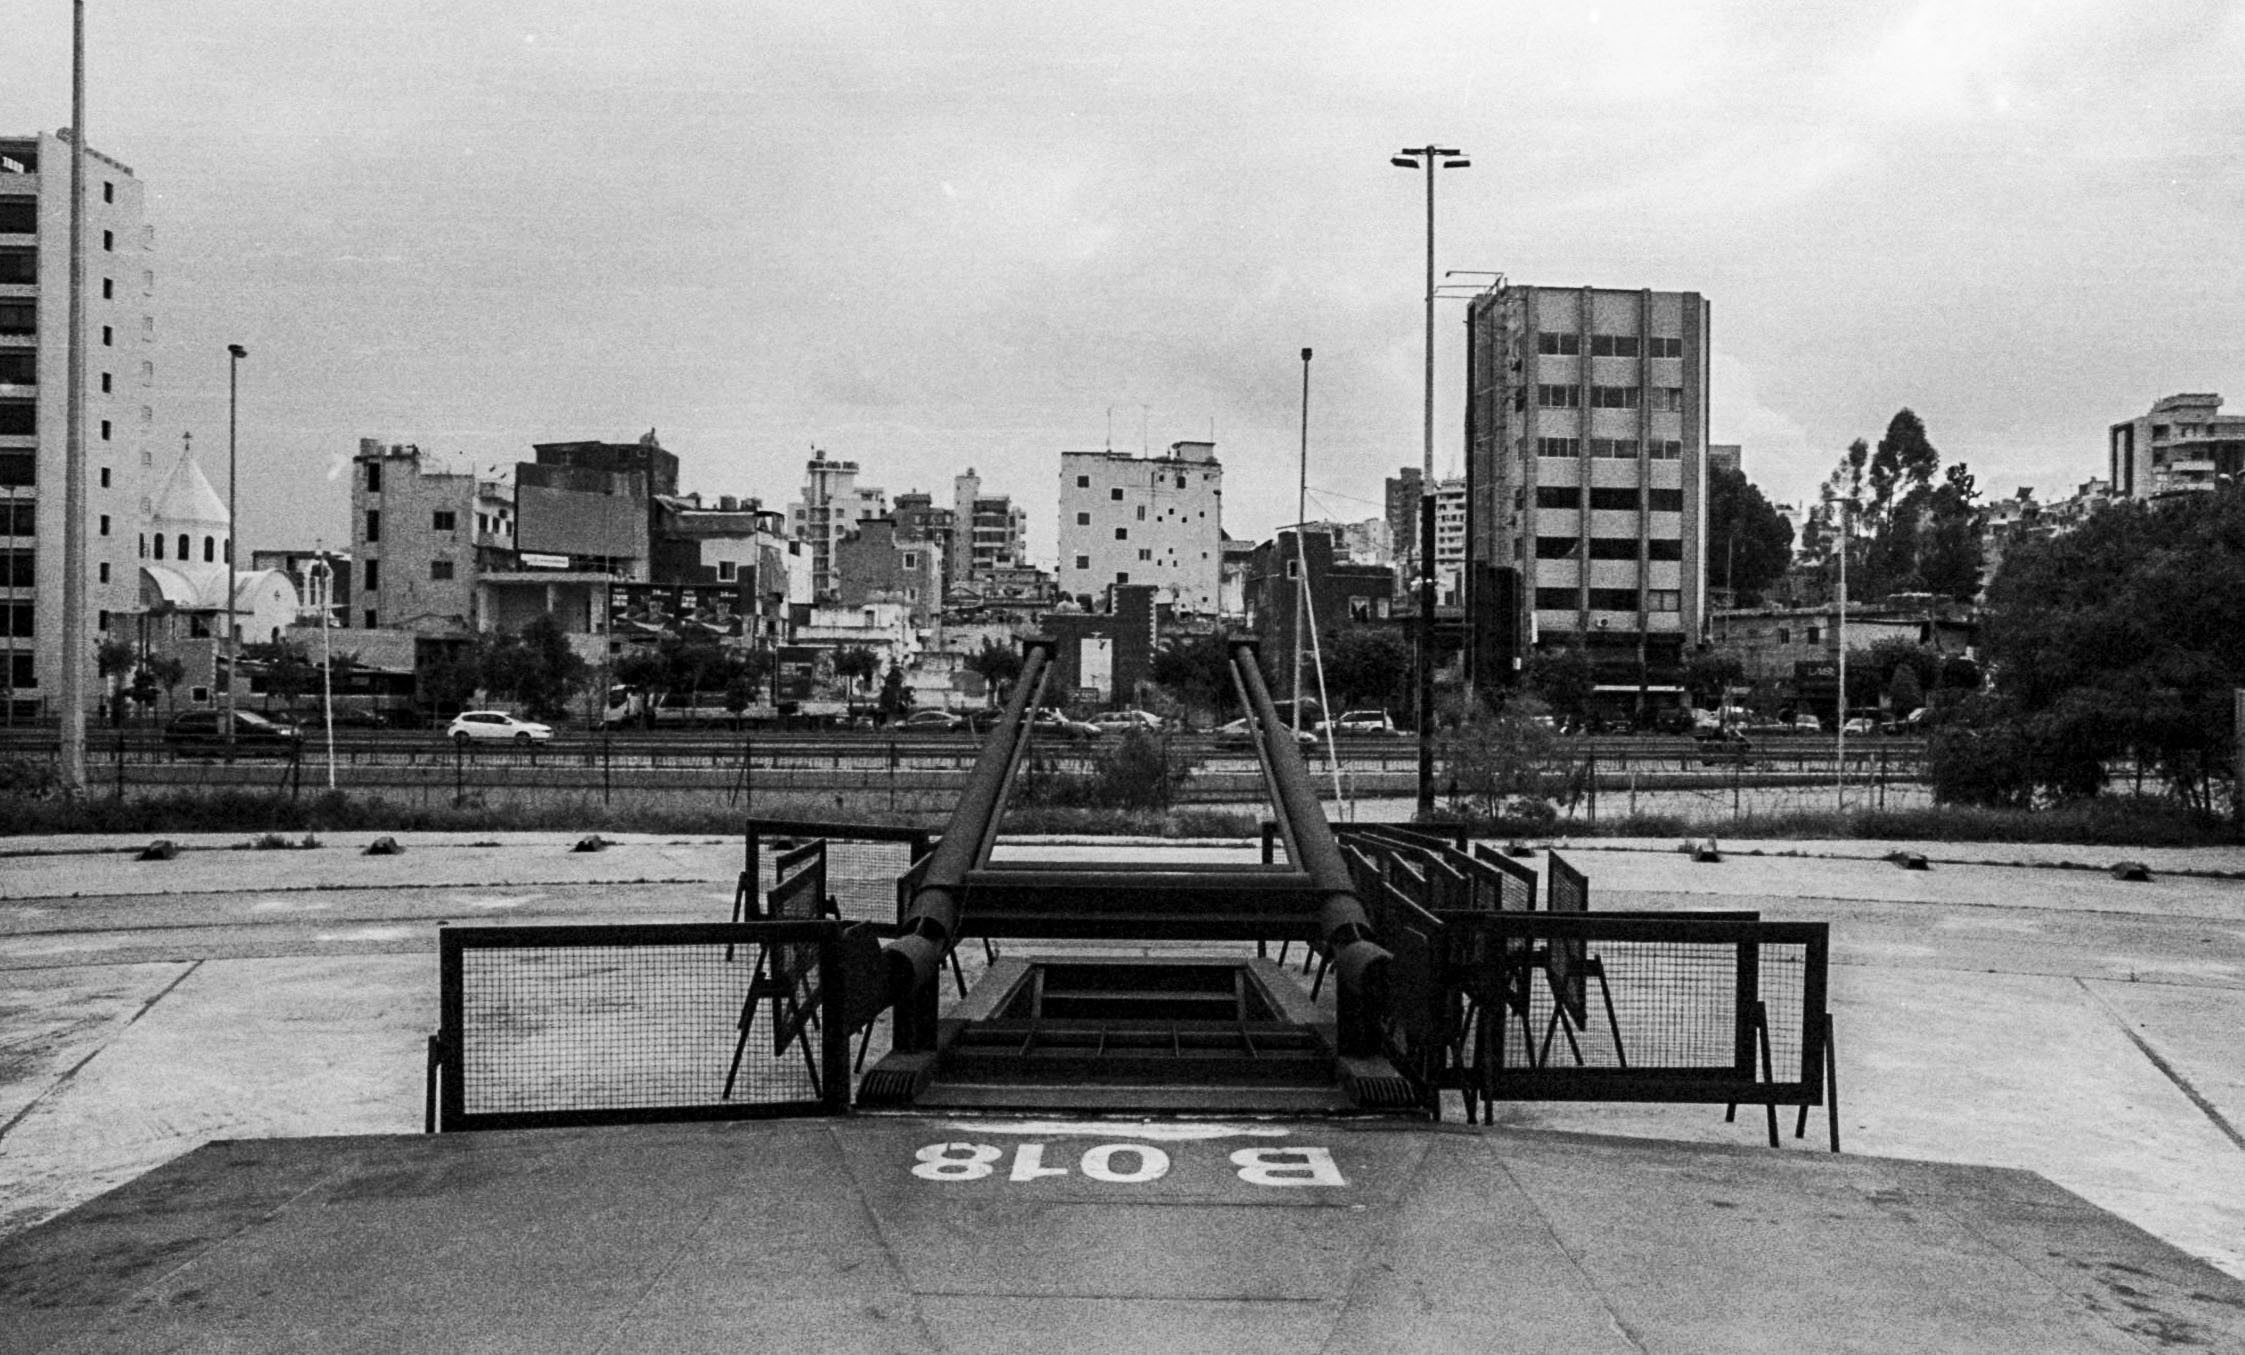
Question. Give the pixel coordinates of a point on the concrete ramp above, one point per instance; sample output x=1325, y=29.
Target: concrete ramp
x=927, y=1233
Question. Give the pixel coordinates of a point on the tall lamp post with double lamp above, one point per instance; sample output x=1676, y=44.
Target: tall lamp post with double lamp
x=1430, y=158
x=320, y=574
x=234, y=355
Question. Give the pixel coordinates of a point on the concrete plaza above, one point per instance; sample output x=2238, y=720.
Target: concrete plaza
x=2011, y=1007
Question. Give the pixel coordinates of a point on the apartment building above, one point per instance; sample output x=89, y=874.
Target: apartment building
x=116, y=335
x=991, y=533
x=877, y=563
x=2185, y=445
x=1132, y=520
x=832, y=506
x=1403, y=491
x=1587, y=451
x=422, y=538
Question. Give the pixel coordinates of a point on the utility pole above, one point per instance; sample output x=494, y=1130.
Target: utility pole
x=1429, y=157
x=1301, y=548
x=75, y=632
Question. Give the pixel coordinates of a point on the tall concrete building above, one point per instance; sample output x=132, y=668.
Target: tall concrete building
x=117, y=335
x=2180, y=447
x=832, y=506
x=1587, y=448
x=1131, y=520
x=990, y=533
x=1403, y=491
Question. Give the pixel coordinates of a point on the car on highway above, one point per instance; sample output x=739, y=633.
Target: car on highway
x=1046, y=720
x=1913, y=723
x=1861, y=724
x=1124, y=721
x=929, y=722
x=1235, y=735
x=1372, y=722
x=203, y=733
x=476, y=725
x=1807, y=724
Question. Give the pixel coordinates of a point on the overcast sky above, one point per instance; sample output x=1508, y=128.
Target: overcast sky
x=924, y=236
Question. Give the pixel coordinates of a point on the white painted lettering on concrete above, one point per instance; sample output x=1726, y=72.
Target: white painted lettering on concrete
x=1098, y=1163
x=1123, y=1164
x=1029, y=1163
x=1288, y=1167
x=955, y=1161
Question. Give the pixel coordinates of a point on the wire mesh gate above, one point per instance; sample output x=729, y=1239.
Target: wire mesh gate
x=575, y=1025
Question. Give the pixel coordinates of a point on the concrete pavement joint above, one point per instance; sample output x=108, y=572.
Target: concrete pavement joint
x=61, y=1082
x=2167, y=1070
x=1614, y=1317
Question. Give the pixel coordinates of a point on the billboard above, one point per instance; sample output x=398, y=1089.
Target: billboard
x=676, y=609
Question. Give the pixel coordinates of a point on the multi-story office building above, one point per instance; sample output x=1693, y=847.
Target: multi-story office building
x=1587, y=431
x=832, y=506
x=423, y=539
x=1157, y=520
x=2181, y=447
x=116, y=336
x=990, y=532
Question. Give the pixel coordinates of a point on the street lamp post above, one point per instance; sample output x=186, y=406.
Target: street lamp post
x=1429, y=157
x=234, y=355
x=321, y=575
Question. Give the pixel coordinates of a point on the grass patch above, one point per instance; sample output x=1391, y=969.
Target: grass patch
x=2117, y=821
x=2120, y=821
x=273, y=817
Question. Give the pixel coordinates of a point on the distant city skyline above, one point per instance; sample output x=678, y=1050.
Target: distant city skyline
x=987, y=236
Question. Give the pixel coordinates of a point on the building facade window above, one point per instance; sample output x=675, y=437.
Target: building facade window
x=373, y=477
x=1562, y=447
x=1614, y=498
x=1659, y=347
x=1667, y=500
x=1558, y=496
x=1613, y=599
x=1664, y=600
x=1083, y=562
x=1613, y=345
x=727, y=571
x=1614, y=397
x=373, y=580
x=1558, y=345
x=1559, y=397
x=1083, y=482
x=1665, y=548
x=1613, y=548
x=443, y=520
x=1122, y=533
x=1555, y=599
x=1668, y=450
x=1557, y=547
x=1624, y=449
x=440, y=570
x=373, y=524
x=1083, y=519
x=1670, y=401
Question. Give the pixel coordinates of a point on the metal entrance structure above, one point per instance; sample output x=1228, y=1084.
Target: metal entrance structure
x=1158, y=1034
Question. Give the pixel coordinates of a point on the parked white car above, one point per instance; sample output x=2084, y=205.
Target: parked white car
x=1124, y=721
x=496, y=724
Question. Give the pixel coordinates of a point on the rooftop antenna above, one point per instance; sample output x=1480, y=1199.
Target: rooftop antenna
x=1110, y=428
x=1145, y=421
